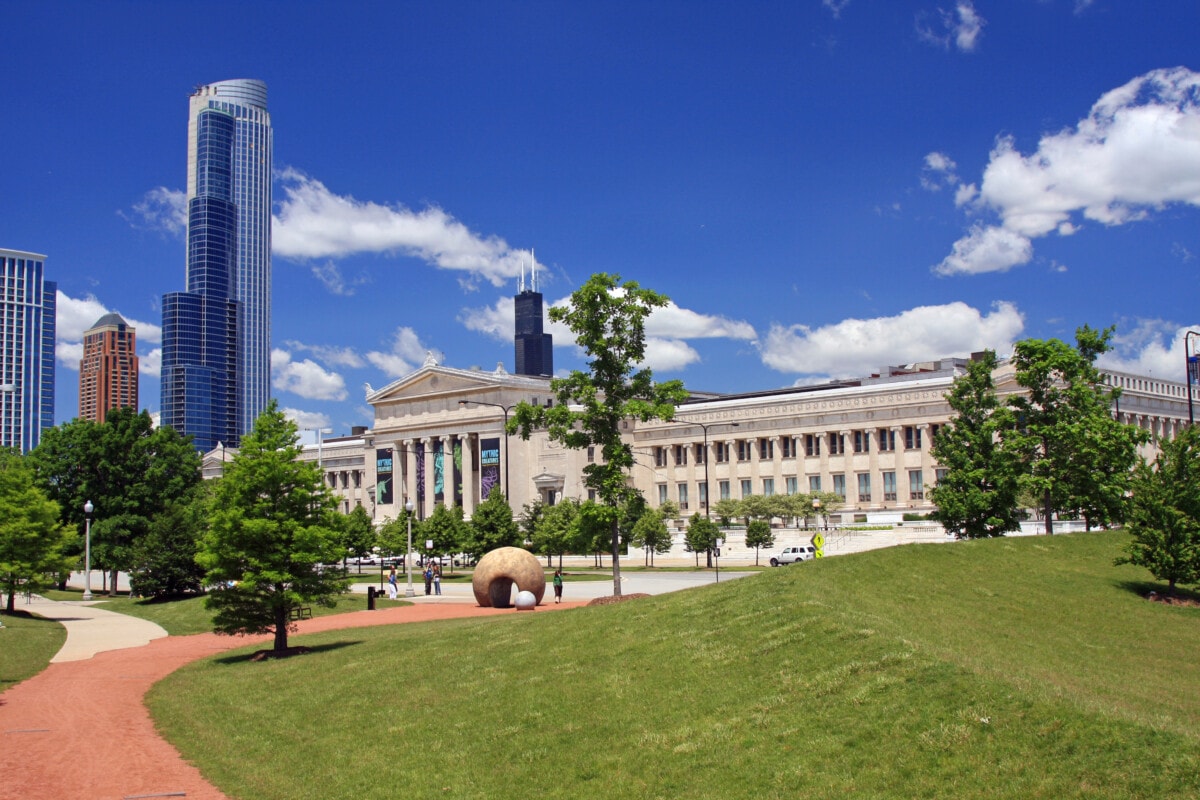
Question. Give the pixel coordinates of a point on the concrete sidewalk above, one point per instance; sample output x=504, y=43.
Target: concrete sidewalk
x=92, y=630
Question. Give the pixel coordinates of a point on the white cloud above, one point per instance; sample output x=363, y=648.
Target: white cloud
x=159, y=209
x=960, y=27
x=1151, y=347
x=667, y=355
x=406, y=355
x=151, y=363
x=305, y=378
x=986, y=249
x=856, y=347
x=306, y=420
x=938, y=172
x=1137, y=151
x=328, y=354
x=671, y=321
x=74, y=317
x=835, y=6
x=313, y=222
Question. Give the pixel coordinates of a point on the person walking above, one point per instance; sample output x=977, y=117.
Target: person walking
x=428, y=579
x=392, y=583
x=558, y=585
x=437, y=579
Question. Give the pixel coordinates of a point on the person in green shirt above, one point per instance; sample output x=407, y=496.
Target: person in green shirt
x=558, y=585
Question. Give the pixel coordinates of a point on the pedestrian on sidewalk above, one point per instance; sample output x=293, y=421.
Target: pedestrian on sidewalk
x=428, y=578
x=437, y=579
x=392, y=583
x=558, y=585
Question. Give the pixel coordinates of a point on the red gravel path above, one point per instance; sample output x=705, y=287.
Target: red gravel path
x=80, y=729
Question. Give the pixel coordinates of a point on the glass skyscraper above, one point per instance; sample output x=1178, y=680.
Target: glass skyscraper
x=216, y=366
x=28, y=307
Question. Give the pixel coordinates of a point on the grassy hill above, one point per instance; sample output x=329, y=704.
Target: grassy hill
x=1014, y=668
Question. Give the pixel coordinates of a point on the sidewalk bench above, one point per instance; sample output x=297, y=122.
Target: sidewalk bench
x=300, y=612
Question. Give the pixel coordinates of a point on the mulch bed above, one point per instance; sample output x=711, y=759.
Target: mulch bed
x=1190, y=602
x=612, y=598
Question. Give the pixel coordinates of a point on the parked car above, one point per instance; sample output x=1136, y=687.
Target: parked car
x=805, y=552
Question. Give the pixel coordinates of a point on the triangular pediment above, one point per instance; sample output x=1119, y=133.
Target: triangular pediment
x=434, y=381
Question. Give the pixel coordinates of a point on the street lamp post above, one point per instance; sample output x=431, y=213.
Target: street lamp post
x=408, y=507
x=717, y=557
x=707, y=489
x=505, y=409
x=1192, y=365
x=88, y=508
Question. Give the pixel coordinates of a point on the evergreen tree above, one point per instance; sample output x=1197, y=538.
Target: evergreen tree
x=165, y=558
x=978, y=494
x=1164, y=513
x=272, y=528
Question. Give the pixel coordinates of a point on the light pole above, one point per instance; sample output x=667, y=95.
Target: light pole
x=505, y=409
x=817, y=513
x=408, y=507
x=1192, y=364
x=717, y=557
x=88, y=508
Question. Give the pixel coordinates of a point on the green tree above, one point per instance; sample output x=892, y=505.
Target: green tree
x=272, y=528
x=726, y=510
x=701, y=535
x=529, y=520
x=759, y=534
x=448, y=532
x=608, y=319
x=650, y=532
x=557, y=530
x=593, y=529
x=392, y=537
x=32, y=539
x=978, y=496
x=1077, y=459
x=757, y=506
x=492, y=525
x=1164, y=513
x=358, y=534
x=165, y=558
x=129, y=469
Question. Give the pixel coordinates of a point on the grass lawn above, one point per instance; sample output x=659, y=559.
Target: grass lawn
x=27, y=643
x=1022, y=668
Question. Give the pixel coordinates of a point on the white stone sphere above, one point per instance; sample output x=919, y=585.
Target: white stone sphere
x=526, y=601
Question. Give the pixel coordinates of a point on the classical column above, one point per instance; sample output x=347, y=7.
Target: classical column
x=448, y=471
x=468, y=477
x=407, y=456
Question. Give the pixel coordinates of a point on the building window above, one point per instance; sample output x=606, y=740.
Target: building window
x=837, y=444
x=768, y=487
x=592, y=495
x=792, y=486
x=701, y=456
x=660, y=456
x=704, y=495
x=912, y=437
x=681, y=451
x=747, y=489
x=862, y=442
x=889, y=486
x=722, y=452
x=723, y=489
x=766, y=449
x=933, y=432
x=939, y=475
x=839, y=486
x=662, y=493
x=916, y=485
x=814, y=484
x=864, y=487
x=682, y=490
x=812, y=444
x=591, y=455
x=887, y=439
x=744, y=449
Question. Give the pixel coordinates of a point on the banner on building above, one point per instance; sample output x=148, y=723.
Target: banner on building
x=383, y=476
x=489, y=467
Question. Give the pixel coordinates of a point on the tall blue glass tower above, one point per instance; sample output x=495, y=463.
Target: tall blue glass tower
x=28, y=315
x=216, y=366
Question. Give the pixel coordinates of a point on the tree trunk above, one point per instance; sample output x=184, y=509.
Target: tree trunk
x=281, y=623
x=1048, y=511
x=10, y=606
x=616, y=544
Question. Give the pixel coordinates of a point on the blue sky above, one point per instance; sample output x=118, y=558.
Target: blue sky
x=822, y=187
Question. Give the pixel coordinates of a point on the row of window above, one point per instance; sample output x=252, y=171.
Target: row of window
x=916, y=488
x=836, y=444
